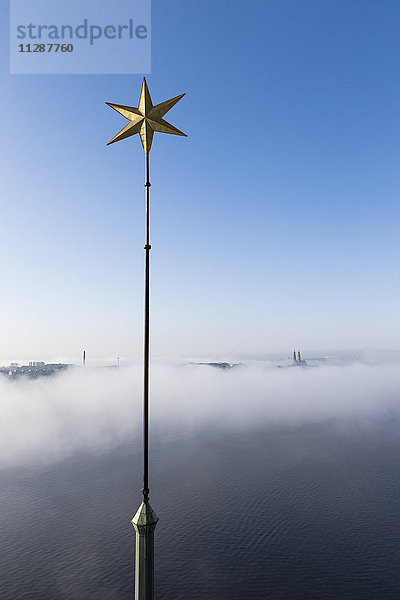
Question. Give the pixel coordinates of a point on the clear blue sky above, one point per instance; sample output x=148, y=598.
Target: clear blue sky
x=274, y=224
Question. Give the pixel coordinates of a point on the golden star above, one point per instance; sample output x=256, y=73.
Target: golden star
x=146, y=119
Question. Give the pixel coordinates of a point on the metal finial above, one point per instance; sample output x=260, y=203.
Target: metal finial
x=146, y=119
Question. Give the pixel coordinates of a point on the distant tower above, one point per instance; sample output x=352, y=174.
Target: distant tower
x=84, y=358
x=299, y=357
x=117, y=361
x=294, y=357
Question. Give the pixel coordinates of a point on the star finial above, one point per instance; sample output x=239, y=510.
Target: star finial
x=146, y=119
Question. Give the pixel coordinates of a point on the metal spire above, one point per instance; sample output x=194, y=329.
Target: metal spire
x=145, y=120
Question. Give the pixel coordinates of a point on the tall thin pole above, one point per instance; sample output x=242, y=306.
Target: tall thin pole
x=147, y=248
x=145, y=119
x=145, y=520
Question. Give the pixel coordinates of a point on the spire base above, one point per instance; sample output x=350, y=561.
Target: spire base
x=144, y=522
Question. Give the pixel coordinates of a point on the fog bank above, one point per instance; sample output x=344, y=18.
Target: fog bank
x=95, y=409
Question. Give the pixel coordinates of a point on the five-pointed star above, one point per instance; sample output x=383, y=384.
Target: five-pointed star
x=146, y=119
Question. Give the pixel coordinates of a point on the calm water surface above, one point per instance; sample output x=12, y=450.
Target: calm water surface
x=304, y=513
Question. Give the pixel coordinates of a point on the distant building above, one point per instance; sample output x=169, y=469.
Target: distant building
x=298, y=361
x=33, y=370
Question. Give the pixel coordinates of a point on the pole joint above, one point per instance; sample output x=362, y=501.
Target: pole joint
x=147, y=184
x=147, y=247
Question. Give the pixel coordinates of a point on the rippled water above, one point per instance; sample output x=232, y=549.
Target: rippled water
x=302, y=513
